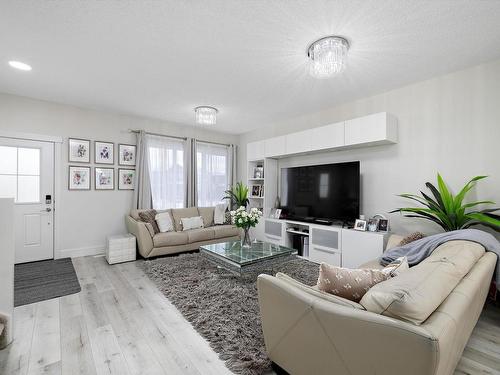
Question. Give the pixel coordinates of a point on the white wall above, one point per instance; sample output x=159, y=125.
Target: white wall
x=6, y=268
x=87, y=217
x=449, y=124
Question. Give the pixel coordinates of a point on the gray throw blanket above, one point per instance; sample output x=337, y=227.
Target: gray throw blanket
x=418, y=250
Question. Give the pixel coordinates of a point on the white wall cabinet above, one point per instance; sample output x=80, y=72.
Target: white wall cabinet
x=379, y=128
x=327, y=137
x=300, y=142
x=360, y=247
x=275, y=147
x=256, y=150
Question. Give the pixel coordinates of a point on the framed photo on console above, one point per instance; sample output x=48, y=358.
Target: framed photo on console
x=126, y=179
x=78, y=150
x=360, y=225
x=104, y=152
x=78, y=178
x=126, y=154
x=104, y=178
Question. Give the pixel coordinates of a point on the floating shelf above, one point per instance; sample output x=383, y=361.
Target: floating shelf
x=297, y=232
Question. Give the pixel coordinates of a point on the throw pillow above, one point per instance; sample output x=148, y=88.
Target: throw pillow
x=227, y=218
x=194, y=222
x=219, y=213
x=397, y=267
x=411, y=237
x=148, y=216
x=164, y=221
x=348, y=283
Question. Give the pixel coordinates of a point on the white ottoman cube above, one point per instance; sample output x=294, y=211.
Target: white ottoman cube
x=120, y=248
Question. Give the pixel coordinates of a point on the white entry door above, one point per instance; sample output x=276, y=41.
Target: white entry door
x=27, y=175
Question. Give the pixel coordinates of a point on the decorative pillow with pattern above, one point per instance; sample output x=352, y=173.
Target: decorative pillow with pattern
x=397, y=267
x=148, y=216
x=348, y=283
x=411, y=238
x=194, y=222
x=227, y=218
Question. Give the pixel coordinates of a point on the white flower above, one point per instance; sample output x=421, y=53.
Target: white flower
x=240, y=221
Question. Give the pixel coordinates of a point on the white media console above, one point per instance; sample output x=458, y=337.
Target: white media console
x=328, y=243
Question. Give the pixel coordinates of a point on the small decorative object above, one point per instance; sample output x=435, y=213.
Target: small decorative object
x=79, y=150
x=277, y=202
x=360, y=225
x=272, y=213
x=373, y=224
x=126, y=154
x=126, y=179
x=383, y=225
x=104, y=152
x=258, y=172
x=261, y=191
x=448, y=210
x=237, y=195
x=246, y=220
x=79, y=178
x=277, y=214
x=104, y=178
x=255, y=191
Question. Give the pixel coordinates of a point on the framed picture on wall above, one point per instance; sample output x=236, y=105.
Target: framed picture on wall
x=126, y=154
x=126, y=179
x=78, y=178
x=104, y=152
x=104, y=178
x=79, y=150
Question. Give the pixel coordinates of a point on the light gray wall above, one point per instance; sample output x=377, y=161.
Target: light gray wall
x=449, y=124
x=6, y=268
x=87, y=217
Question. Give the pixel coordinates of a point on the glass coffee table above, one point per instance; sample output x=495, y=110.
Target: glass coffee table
x=231, y=256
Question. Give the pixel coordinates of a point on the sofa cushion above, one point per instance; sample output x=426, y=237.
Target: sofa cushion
x=148, y=216
x=348, y=283
x=415, y=294
x=170, y=239
x=164, y=221
x=207, y=214
x=179, y=213
x=222, y=231
x=202, y=234
x=219, y=213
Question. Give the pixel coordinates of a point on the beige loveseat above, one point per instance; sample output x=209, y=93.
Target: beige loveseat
x=310, y=332
x=179, y=241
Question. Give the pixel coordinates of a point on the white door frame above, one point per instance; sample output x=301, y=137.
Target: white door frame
x=58, y=141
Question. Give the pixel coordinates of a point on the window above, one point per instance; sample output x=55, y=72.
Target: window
x=212, y=173
x=20, y=174
x=166, y=172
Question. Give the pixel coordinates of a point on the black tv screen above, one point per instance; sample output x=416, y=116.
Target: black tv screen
x=321, y=192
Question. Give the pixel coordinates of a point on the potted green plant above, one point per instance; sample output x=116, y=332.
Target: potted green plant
x=449, y=211
x=237, y=195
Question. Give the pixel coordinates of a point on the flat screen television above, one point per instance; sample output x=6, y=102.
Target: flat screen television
x=321, y=193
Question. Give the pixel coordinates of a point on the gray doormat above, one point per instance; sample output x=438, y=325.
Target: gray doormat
x=222, y=307
x=39, y=281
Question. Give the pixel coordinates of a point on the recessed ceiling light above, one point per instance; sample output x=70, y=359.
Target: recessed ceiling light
x=19, y=65
x=328, y=56
x=206, y=115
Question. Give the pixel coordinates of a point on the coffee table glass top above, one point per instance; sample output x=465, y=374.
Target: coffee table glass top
x=234, y=253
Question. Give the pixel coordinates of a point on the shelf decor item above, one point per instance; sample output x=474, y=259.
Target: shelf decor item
x=246, y=220
x=78, y=178
x=104, y=152
x=78, y=150
x=104, y=178
x=258, y=172
x=126, y=154
x=237, y=195
x=126, y=179
x=360, y=225
x=449, y=211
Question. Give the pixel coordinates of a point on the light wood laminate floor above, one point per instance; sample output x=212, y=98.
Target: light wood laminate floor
x=121, y=324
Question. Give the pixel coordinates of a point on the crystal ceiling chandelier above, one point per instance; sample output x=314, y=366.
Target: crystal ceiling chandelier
x=206, y=115
x=328, y=56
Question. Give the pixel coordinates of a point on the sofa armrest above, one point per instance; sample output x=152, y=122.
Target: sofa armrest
x=305, y=334
x=139, y=230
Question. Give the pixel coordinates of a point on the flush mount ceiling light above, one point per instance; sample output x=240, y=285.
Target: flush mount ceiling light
x=19, y=65
x=206, y=115
x=328, y=56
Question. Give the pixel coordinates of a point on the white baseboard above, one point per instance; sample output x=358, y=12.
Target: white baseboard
x=80, y=252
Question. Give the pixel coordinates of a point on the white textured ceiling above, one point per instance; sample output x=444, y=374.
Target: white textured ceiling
x=160, y=59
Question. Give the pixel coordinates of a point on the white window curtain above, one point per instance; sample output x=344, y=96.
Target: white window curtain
x=166, y=172
x=212, y=173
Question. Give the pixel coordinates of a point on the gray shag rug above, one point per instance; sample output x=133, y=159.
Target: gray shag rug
x=39, y=281
x=221, y=306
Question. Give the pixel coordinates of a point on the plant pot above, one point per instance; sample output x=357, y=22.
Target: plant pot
x=246, y=242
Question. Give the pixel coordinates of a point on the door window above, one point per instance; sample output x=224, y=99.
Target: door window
x=20, y=174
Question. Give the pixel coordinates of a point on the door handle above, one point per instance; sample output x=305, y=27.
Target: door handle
x=48, y=209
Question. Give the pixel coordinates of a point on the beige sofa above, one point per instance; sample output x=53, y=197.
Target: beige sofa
x=179, y=241
x=310, y=332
